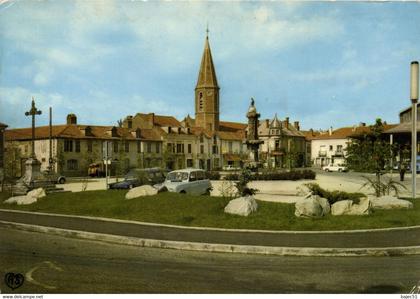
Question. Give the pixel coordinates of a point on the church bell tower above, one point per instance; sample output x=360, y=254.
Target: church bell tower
x=207, y=93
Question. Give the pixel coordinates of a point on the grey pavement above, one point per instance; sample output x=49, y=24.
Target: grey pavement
x=371, y=239
x=55, y=264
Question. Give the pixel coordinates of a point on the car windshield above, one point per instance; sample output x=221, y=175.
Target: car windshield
x=177, y=176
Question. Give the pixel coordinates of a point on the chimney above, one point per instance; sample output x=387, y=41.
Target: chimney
x=267, y=122
x=287, y=122
x=330, y=131
x=71, y=119
x=296, y=125
x=312, y=132
x=362, y=124
x=130, y=121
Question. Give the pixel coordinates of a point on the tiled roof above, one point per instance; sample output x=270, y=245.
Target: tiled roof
x=228, y=135
x=286, y=130
x=402, y=128
x=228, y=125
x=77, y=132
x=347, y=132
x=158, y=120
x=309, y=135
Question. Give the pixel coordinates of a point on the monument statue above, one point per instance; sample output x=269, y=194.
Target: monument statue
x=33, y=177
x=253, y=142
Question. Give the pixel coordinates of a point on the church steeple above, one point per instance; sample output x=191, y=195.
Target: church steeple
x=207, y=92
x=207, y=74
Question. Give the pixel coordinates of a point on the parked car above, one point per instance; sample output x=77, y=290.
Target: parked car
x=138, y=177
x=189, y=180
x=230, y=167
x=335, y=167
x=55, y=177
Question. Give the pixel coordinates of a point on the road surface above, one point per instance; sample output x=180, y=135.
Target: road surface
x=54, y=264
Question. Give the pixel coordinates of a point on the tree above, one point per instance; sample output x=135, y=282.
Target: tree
x=292, y=155
x=12, y=167
x=371, y=152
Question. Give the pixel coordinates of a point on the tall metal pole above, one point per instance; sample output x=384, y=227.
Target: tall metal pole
x=414, y=96
x=50, y=145
x=391, y=141
x=106, y=164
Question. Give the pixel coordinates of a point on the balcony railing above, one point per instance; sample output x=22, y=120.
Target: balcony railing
x=339, y=153
x=322, y=153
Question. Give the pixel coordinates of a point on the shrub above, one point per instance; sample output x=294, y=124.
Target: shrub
x=242, y=183
x=382, y=188
x=213, y=175
x=334, y=196
x=277, y=176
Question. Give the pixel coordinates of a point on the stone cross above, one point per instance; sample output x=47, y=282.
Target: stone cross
x=34, y=111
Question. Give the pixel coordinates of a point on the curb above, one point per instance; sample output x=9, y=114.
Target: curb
x=218, y=229
x=220, y=248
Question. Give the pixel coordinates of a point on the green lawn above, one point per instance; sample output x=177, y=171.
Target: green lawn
x=179, y=209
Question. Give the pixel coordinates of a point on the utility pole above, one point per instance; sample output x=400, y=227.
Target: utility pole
x=50, y=159
x=414, y=96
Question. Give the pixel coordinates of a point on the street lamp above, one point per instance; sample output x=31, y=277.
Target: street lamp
x=414, y=96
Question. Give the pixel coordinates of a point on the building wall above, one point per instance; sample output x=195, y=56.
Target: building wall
x=325, y=151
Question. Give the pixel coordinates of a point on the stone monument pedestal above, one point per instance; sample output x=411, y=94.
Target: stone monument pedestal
x=32, y=179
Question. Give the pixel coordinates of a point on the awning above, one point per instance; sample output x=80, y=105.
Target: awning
x=232, y=157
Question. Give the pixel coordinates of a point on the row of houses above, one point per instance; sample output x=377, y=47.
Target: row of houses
x=149, y=140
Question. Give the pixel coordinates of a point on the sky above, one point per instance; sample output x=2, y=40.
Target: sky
x=321, y=63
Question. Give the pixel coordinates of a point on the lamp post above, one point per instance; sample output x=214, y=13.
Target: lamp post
x=414, y=96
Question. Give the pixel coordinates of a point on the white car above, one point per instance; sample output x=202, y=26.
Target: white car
x=337, y=167
x=189, y=181
x=230, y=167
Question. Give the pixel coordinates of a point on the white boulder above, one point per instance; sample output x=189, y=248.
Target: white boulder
x=37, y=193
x=242, y=206
x=346, y=207
x=390, y=202
x=364, y=207
x=313, y=206
x=325, y=205
x=145, y=190
x=342, y=207
x=21, y=200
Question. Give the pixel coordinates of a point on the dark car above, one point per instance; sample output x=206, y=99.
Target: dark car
x=138, y=177
x=54, y=178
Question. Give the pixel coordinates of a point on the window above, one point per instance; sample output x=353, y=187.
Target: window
x=189, y=163
x=277, y=144
x=127, y=146
x=189, y=148
x=193, y=176
x=68, y=145
x=72, y=164
x=149, y=147
x=201, y=149
x=215, y=149
x=169, y=147
x=180, y=148
x=230, y=144
x=89, y=146
x=200, y=175
x=77, y=146
x=138, y=146
x=339, y=148
x=331, y=147
x=200, y=97
x=201, y=139
x=115, y=145
x=157, y=148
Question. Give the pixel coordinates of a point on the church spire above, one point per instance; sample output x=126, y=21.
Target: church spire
x=207, y=73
